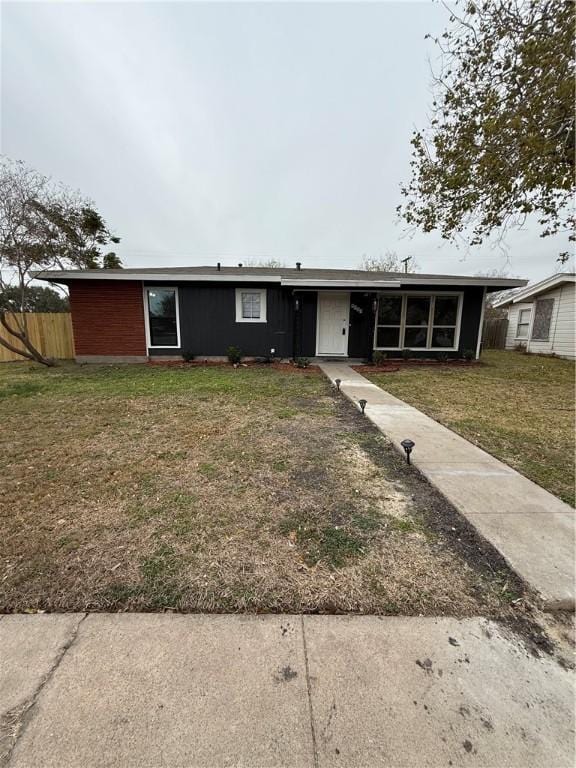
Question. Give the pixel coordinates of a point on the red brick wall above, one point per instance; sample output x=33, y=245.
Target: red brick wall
x=108, y=317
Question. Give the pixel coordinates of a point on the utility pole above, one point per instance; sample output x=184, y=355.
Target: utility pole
x=405, y=262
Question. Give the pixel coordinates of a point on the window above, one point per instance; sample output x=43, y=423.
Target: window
x=416, y=321
x=250, y=305
x=388, y=321
x=542, y=319
x=523, y=323
x=444, y=322
x=162, y=315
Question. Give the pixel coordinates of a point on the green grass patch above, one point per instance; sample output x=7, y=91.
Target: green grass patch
x=518, y=407
x=20, y=389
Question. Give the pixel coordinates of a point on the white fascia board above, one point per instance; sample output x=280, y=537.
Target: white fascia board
x=481, y=283
x=543, y=287
x=295, y=283
x=534, y=290
x=152, y=278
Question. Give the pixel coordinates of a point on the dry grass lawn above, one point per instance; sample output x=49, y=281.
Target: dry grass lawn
x=518, y=407
x=214, y=489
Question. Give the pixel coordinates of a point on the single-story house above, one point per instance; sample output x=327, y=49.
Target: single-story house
x=132, y=315
x=542, y=317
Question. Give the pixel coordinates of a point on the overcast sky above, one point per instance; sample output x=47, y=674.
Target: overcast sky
x=213, y=131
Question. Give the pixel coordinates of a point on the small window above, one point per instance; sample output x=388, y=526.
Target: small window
x=162, y=305
x=250, y=305
x=523, y=323
x=542, y=319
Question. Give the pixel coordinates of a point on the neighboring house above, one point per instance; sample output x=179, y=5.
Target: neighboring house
x=542, y=317
x=135, y=314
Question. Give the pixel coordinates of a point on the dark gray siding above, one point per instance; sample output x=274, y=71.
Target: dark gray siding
x=305, y=324
x=208, y=321
x=361, y=334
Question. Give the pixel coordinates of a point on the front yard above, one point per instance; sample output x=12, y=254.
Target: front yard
x=215, y=489
x=518, y=407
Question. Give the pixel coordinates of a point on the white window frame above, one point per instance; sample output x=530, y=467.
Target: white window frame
x=528, y=324
x=427, y=295
x=262, y=318
x=145, y=290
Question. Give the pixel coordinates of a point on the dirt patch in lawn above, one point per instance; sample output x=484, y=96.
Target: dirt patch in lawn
x=221, y=490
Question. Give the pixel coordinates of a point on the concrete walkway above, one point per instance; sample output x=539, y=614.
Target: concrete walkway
x=533, y=530
x=151, y=690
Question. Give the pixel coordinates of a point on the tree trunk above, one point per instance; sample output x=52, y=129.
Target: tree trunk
x=31, y=353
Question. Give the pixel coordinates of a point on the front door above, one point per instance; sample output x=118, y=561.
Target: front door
x=332, y=326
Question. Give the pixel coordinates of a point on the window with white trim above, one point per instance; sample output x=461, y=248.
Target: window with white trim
x=417, y=321
x=250, y=305
x=523, y=323
x=162, y=309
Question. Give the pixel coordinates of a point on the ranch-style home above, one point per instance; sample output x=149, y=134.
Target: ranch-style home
x=132, y=315
x=542, y=317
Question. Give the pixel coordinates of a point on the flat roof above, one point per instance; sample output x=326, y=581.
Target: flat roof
x=289, y=276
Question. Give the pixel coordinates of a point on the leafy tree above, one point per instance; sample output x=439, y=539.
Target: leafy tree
x=36, y=299
x=500, y=144
x=111, y=261
x=43, y=225
x=389, y=262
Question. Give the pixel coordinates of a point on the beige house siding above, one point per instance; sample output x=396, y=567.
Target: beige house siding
x=562, y=338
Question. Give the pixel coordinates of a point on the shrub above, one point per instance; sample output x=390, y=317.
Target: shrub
x=468, y=354
x=301, y=362
x=234, y=355
x=188, y=355
x=520, y=347
x=406, y=354
x=442, y=357
x=378, y=357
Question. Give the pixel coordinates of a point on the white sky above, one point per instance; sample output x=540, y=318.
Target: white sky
x=216, y=131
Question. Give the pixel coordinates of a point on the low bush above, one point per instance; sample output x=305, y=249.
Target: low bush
x=188, y=355
x=234, y=355
x=301, y=362
x=379, y=357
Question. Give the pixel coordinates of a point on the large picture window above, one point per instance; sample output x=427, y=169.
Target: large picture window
x=416, y=321
x=162, y=307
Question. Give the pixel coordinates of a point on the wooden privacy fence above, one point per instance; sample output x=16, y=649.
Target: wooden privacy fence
x=50, y=333
x=494, y=333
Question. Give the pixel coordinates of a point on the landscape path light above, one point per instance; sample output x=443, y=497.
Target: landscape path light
x=362, y=404
x=407, y=445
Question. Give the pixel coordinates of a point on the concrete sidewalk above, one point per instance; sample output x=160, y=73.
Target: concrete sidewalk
x=532, y=529
x=150, y=690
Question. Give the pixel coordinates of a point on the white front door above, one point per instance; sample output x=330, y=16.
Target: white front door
x=332, y=325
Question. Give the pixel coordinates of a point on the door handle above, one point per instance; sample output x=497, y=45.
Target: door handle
x=343, y=331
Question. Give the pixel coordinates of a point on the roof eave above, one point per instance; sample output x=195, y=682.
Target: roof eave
x=535, y=290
